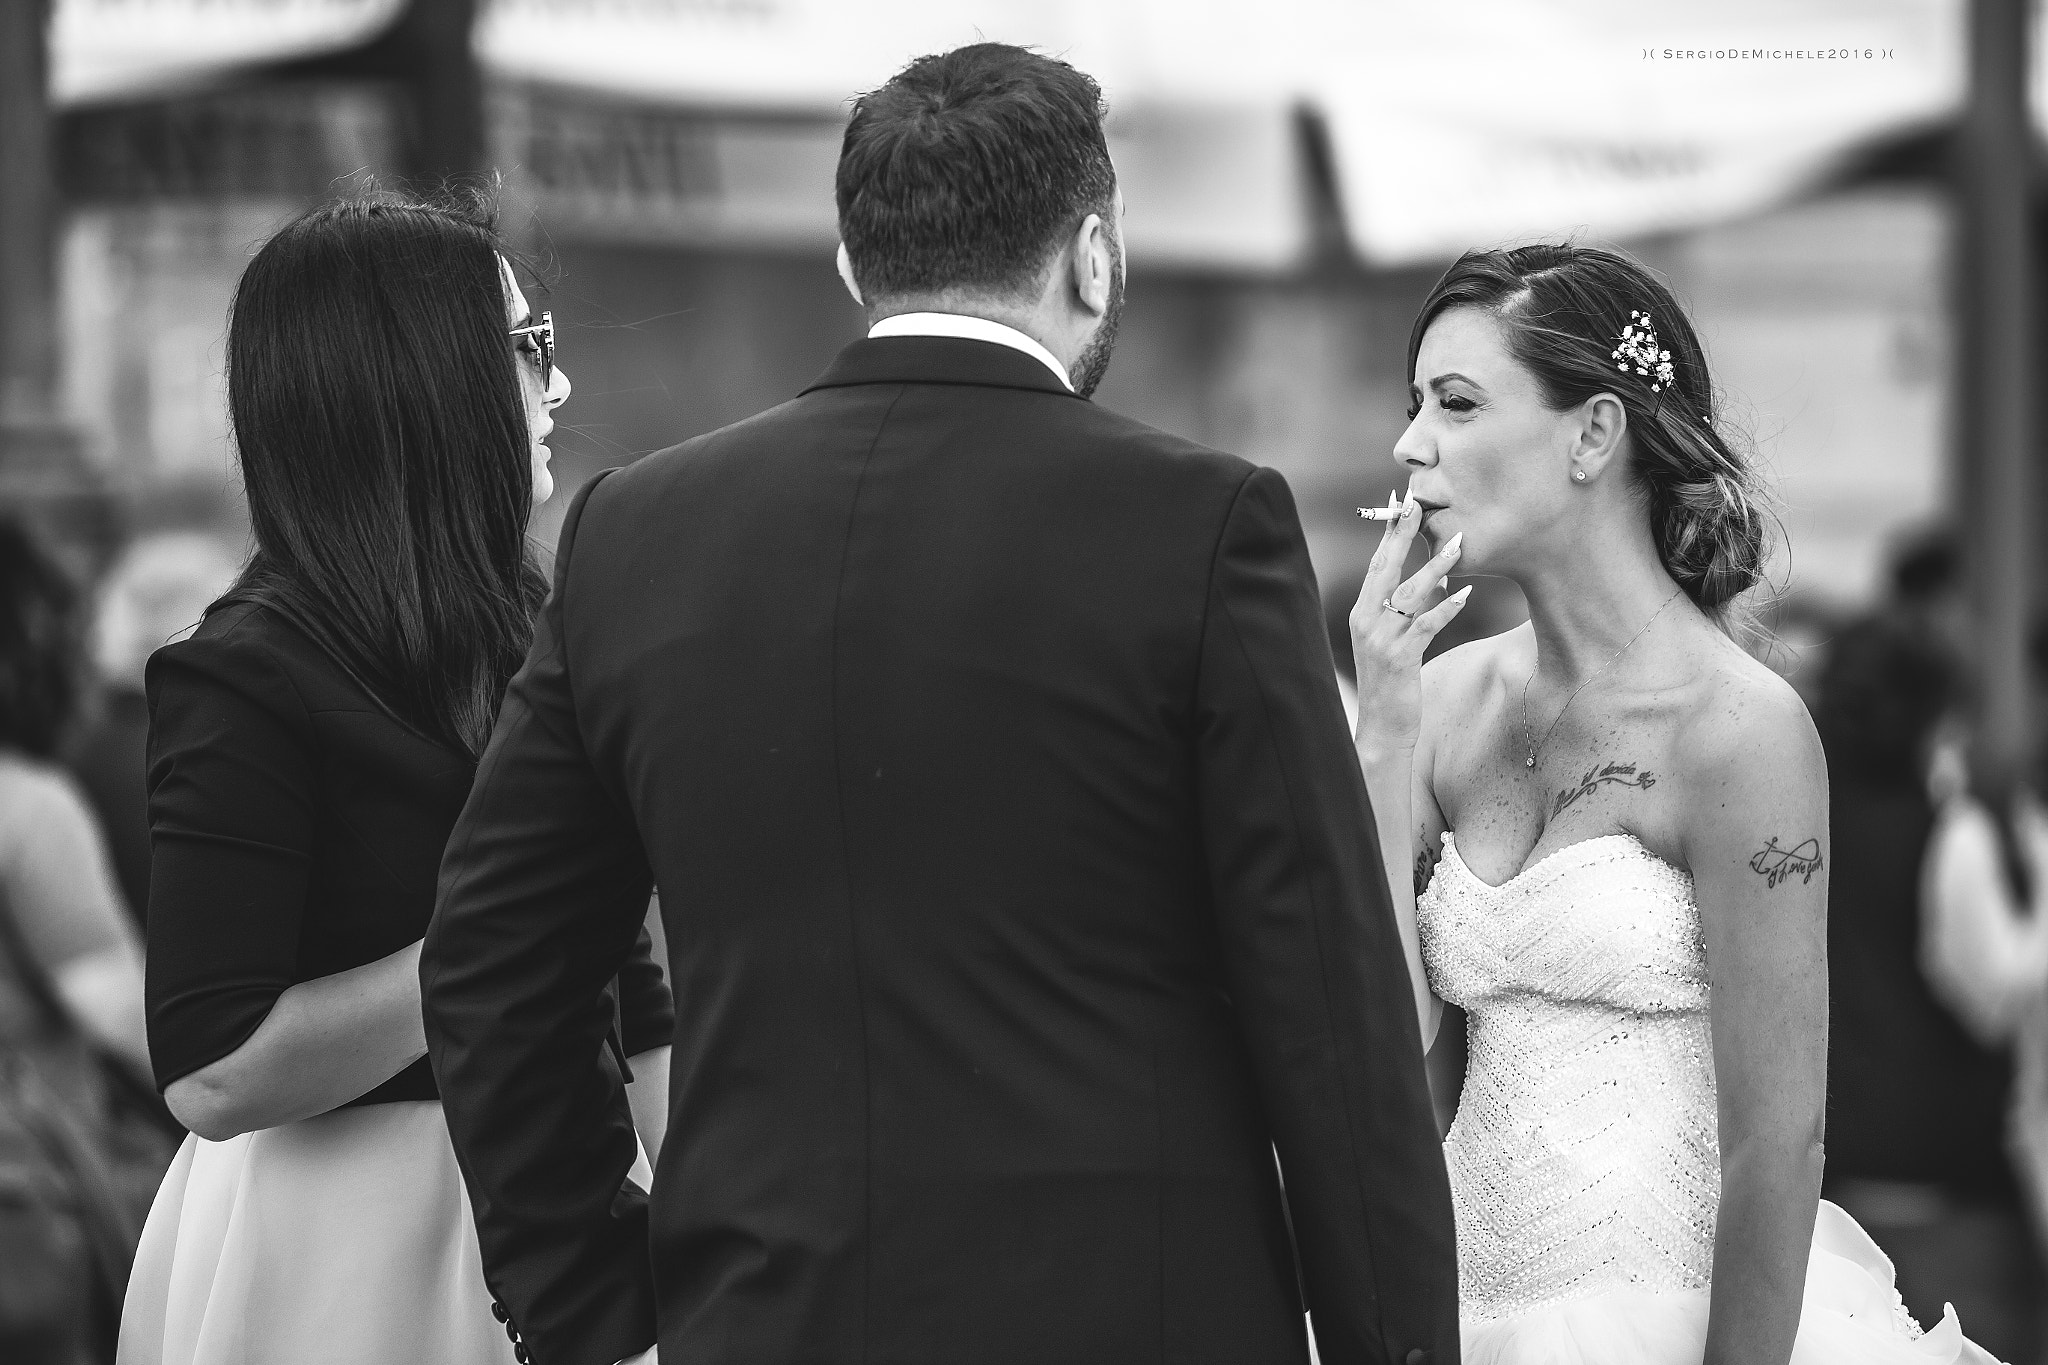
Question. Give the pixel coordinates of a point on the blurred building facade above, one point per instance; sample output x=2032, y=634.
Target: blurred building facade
x=682, y=210
x=690, y=254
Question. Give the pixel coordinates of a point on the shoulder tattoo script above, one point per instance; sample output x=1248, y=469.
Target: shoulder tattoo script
x=1426, y=859
x=1601, y=775
x=1776, y=865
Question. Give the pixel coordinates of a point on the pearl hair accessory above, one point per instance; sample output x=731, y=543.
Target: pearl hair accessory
x=1639, y=349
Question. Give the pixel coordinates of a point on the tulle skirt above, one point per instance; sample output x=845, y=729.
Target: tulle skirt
x=1852, y=1316
x=340, y=1239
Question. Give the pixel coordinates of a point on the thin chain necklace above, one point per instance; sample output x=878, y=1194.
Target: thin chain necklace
x=1530, y=760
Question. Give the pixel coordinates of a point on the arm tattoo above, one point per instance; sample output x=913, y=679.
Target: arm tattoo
x=1426, y=859
x=1776, y=865
x=1600, y=775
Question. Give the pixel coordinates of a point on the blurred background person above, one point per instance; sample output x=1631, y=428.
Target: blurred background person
x=1929, y=590
x=155, y=592
x=1984, y=947
x=71, y=1001
x=1917, y=1112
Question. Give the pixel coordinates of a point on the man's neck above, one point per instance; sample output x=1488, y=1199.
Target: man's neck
x=974, y=327
x=1018, y=315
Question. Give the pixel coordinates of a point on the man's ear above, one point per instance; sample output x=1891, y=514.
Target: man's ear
x=1093, y=263
x=846, y=276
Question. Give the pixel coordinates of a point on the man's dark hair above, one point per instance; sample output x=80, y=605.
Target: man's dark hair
x=966, y=170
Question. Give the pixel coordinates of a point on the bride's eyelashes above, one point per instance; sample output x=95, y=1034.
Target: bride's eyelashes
x=1449, y=402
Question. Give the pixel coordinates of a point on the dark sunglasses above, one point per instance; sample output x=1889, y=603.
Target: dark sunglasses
x=543, y=333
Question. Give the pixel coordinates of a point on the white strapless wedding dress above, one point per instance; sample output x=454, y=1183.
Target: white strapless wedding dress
x=1584, y=1166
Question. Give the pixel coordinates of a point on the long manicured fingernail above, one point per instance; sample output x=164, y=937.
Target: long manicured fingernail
x=1461, y=594
x=1457, y=545
x=1443, y=583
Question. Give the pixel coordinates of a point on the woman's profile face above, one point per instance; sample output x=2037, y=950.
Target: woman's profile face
x=1485, y=454
x=540, y=403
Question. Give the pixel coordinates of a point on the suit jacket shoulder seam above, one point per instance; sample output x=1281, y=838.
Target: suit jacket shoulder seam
x=1209, y=582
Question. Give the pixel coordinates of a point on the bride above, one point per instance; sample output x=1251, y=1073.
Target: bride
x=1616, y=823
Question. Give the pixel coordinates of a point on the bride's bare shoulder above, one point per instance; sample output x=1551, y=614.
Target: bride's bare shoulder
x=1746, y=718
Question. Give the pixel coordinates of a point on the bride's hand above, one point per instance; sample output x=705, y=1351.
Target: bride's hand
x=1392, y=624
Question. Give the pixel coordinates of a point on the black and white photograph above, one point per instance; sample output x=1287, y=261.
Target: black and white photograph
x=1023, y=682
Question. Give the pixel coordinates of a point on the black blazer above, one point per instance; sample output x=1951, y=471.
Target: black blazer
x=297, y=829
x=1021, y=895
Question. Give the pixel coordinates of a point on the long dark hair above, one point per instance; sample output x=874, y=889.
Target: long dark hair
x=1563, y=309
x=384, y=445
x=39, y=644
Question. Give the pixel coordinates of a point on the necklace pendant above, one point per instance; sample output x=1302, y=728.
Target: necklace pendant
x=1530, y=761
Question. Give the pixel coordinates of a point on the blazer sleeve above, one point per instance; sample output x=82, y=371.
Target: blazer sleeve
x=1314, y=960
x=543, y=891
x=232, y=804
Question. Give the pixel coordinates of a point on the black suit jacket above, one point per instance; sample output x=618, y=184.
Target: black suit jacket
x=1021, y=896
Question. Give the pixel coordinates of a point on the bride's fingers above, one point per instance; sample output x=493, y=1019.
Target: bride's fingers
x=1428, y=623
x=1422, y=584
x=1392, y=553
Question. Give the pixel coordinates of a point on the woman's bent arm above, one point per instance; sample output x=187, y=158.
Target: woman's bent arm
x=1757, y=846
x=647, y=1097
x=1392, y=625
x=322, y=1044
x=1389, y=785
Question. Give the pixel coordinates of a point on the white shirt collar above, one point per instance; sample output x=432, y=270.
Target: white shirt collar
x=974, y=329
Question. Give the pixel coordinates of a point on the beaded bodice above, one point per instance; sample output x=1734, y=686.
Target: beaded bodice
x=1584, y=1155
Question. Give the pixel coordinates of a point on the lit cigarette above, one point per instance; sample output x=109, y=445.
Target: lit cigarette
x=1391, y=512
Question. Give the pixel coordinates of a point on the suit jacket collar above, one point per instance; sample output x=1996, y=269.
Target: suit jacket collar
x=938, y=360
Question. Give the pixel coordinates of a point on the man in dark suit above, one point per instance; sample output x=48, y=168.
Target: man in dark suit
x=1020, y=888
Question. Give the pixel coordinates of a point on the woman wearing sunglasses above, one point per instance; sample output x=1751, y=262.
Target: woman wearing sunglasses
x=310, y=748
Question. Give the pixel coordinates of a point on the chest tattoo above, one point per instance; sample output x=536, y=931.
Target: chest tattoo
x=1603, y=775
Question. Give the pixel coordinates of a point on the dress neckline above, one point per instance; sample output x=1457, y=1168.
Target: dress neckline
x=1451, y=848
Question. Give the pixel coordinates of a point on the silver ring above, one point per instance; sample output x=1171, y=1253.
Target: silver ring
x=1388, y=603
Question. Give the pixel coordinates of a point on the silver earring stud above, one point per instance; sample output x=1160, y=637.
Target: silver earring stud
x=1579, y=474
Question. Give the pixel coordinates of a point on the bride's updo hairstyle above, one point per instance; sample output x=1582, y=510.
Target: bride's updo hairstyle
x=1562, y=310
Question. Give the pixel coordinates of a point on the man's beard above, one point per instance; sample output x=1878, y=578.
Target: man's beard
x=1094, y=359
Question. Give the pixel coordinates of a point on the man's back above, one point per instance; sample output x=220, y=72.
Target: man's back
x=900, y=682
x=986, y=752
x=1021, y=891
